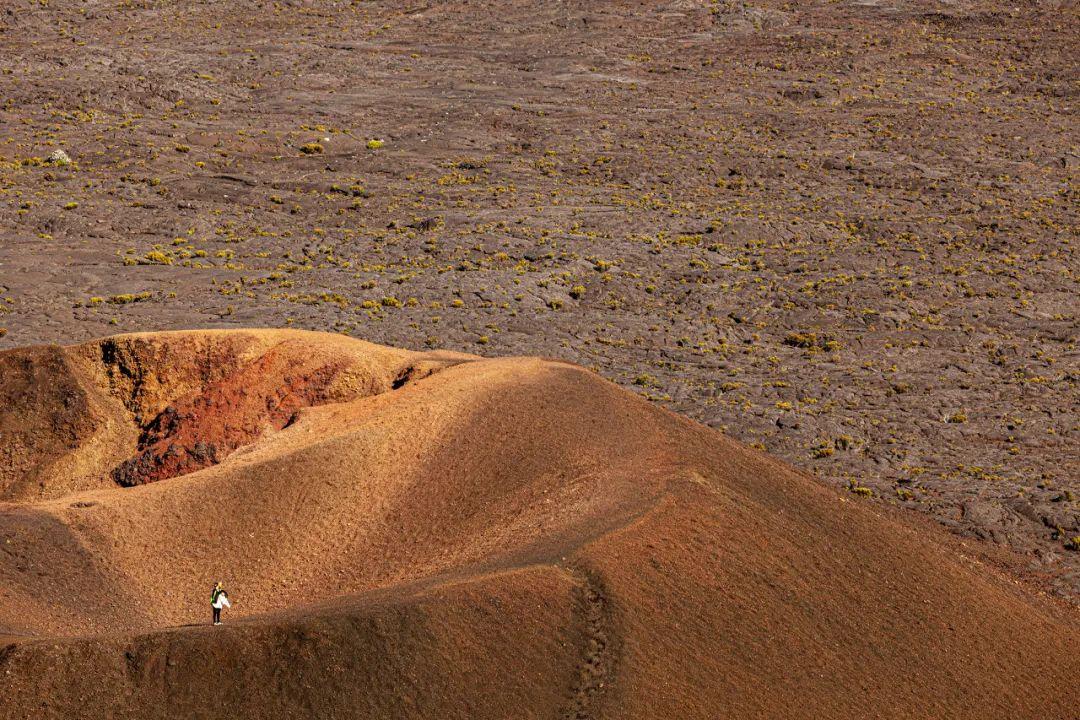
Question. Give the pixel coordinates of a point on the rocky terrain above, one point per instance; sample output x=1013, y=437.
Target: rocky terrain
x=844, y=232
x=439, y=535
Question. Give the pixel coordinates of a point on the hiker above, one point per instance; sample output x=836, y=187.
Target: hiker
x=219, y=599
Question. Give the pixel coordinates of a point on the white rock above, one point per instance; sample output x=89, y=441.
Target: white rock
x=59, y=157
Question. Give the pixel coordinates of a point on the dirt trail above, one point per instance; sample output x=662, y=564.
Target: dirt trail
x=597, y=665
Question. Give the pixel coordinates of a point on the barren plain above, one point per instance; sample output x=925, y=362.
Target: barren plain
x=844, y=232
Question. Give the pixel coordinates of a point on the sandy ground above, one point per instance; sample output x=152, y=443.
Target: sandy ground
x=436, y=536
x=842, y=231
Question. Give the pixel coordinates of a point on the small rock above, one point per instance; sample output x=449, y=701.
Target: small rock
x=58, y=157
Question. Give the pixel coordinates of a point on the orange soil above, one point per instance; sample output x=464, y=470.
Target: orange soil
x=432, y=535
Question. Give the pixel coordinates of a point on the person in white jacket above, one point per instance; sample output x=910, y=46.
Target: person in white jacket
x=219, y=599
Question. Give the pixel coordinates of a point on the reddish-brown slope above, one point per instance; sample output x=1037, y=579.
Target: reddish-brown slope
x=502, y=538
x=135, y=408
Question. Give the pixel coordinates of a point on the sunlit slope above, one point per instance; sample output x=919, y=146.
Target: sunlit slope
x=436, y=535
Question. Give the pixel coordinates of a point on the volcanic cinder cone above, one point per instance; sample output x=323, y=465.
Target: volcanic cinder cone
x=411, y=535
